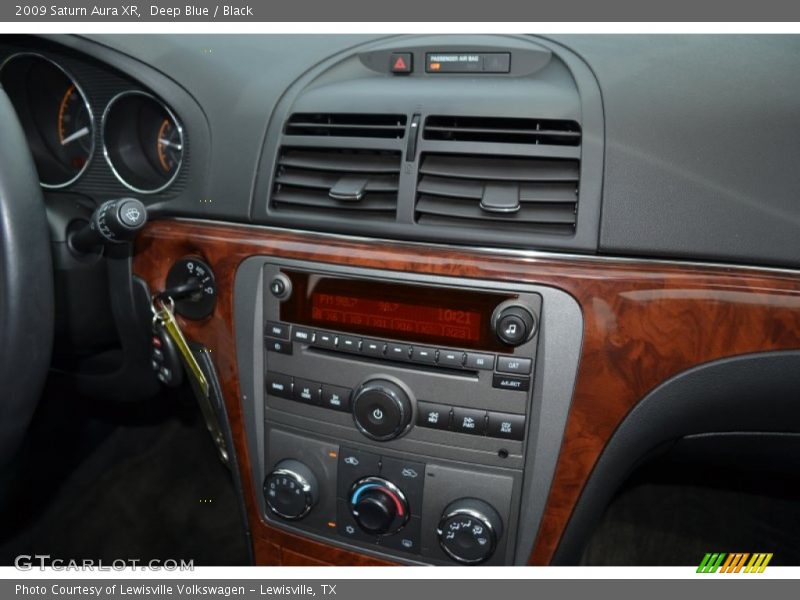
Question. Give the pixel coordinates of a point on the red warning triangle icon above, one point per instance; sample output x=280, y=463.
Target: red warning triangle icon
x=400, y=64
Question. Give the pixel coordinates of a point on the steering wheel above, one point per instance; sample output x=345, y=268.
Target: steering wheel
x=26, y=284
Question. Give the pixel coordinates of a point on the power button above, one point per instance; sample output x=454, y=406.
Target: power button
x=381, y=409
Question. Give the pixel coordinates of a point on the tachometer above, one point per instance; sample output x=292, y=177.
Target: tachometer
x=55, y=114
x=142, y=141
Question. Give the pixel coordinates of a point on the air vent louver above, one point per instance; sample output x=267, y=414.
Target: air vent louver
x=503, y=130
x=347, y=125
x=337, y=182
x=498, y=192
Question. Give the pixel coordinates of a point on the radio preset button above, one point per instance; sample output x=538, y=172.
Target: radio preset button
x=279, y=385
x=335, y=397
x=510, y=382
x=510, y=364
x=325, y=340
x=468, y=420
x=304, y=336
x=424, y=355
x=480, y=361
x=306, y=391
x=277, y=330
x=373, y=348
x=504, y=425
x=451, y=358
x=435, y=416
x=398, y=351
x=349, y=343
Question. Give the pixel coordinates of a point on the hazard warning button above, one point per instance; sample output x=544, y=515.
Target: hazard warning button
x=401, y=62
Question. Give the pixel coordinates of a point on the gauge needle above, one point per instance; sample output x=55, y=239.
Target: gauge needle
x=168, y=143
x=75, y=136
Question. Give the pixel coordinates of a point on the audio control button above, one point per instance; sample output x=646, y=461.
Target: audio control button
x=424, y=355
x=451, y=358
x=504, y=425
x=326, y=340
x=277, y=330
x=381, y=409
x=335, y=397
x=435, y=416
x=510, y=382
x=279, y=385
x=349, y=343
x=306, y=391
x=279, y=346
x=373, y=348
x=483, y=362
x=468, y=420
x=302, y=335
x=398, y=351
x=511, y=364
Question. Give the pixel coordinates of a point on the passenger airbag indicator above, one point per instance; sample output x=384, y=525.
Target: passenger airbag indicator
x=467, y=62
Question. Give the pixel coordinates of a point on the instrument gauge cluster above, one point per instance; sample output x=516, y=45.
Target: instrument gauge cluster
x=142, y=139
x=56, y=116
x=142, y=142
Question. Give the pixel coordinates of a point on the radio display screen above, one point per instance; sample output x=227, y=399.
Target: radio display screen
x=427, y=321
x=423, y=314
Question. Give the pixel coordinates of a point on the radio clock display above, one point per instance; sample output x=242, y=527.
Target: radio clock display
x=418, y=313
x=426, y=321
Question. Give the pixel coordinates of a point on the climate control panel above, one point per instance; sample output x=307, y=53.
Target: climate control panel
x=435, y=512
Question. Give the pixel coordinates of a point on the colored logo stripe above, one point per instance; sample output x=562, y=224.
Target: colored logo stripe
x=733, y=563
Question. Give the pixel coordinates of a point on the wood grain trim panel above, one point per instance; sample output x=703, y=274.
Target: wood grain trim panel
x=644, y=321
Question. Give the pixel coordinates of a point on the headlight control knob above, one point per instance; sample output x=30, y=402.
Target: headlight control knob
x=378, y=506
x=291, y=490
x=381, y=409
x=469, y=531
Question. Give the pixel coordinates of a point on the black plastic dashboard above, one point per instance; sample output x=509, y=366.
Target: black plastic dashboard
x=689, y=169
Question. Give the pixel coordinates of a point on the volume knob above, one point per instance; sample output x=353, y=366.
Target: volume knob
x=381, y=409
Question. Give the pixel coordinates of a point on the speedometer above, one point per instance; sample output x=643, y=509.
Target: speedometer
x=55, y=114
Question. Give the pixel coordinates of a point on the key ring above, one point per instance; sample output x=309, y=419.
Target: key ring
x=157, y=312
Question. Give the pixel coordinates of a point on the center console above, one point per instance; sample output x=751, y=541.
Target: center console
x=407, y=416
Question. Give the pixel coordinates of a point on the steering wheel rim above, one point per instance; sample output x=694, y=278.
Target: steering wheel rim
x=26, y=284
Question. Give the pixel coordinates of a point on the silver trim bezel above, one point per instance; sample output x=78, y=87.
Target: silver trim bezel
x=84, y=97
x=304, y=485
x=106, y=155
x=475, y=515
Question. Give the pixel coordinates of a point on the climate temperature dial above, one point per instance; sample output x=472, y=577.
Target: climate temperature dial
x=469, y=530
x=291, y=490
x=378, y=506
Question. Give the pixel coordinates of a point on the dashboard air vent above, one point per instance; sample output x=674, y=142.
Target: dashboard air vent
x=503, y=130
x=347, y=125
x=498, y=192
x=337, y=182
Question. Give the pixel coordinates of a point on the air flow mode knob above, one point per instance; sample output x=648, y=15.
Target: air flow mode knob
x=469, y=530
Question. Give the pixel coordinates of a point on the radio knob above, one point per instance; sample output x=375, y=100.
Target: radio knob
x=514, y=325
x=381, y=410
x=378, y=506
x=291, y=490
x=469, y=530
